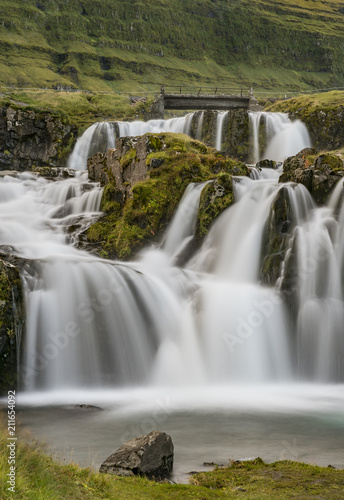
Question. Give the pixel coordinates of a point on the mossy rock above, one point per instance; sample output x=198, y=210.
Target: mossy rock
x=319, y=173
x=275, y=237
x=142, y=218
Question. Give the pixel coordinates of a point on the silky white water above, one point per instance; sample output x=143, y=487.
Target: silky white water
x=204, y=352
x=284, y=137
x=95, y=323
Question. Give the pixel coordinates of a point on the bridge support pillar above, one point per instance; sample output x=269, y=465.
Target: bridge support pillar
x=157, y=109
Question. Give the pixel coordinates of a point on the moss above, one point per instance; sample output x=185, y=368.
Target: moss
x=215, y=198
x=128, y=158
x=155, y=142
x=284, y=479
x=322, y=113
x=318, y=173
x=144, y=217
x=331, y=160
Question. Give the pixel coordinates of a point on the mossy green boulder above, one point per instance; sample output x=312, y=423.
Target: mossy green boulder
x=138, y=214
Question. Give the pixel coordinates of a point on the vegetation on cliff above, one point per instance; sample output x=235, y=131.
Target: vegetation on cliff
x=322, y=113
x=143, y=218
x=81, y=109
x=137, y=45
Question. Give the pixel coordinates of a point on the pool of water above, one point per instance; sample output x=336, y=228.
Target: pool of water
x=209, y=424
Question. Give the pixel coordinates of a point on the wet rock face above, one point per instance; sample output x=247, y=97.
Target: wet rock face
x=236, y=138
x=11, y=323
x=31, y=139
x=235, y=141
x=126, y=165
x=150, y=455
x=96, y=166
x=319, y=173
x=276, y=235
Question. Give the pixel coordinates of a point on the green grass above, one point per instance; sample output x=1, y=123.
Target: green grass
x=82, y=109
x=39, y=477
x=311, y=102
x=134, y=45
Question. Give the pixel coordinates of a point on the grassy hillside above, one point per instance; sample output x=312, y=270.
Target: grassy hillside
x=136, y=45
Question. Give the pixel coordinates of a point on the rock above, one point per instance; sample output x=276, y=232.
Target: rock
x=54, y=172
x=275, y=238
x=150, y=455
x=235, y=131
x=267, y=164
x=156, y=162
x=139, y=201
x=236, y=135
x=156, y=110
x=33, y=138
x=97, y=168
x=127, y=164
x=88, y=407
x=12, y=318
x=319, y=173
x=325, y=126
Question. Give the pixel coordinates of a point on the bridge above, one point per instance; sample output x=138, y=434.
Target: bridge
x=206, y=98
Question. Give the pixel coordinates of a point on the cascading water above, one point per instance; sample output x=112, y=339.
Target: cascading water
x=92, y=322
x=184, y=222
x=221, y=115
x=320, y=318
x=99, y=137
x=283, y=137
x=172, y=342
x=95, y=323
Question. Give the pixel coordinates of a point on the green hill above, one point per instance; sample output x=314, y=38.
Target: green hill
x=136, y=45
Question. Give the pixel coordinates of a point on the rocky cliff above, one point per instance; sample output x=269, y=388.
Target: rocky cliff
x=12, y=319
x=31, y=139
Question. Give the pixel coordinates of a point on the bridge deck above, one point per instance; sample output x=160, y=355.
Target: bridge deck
x=204, y=102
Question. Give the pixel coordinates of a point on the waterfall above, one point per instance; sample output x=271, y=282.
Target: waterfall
x=200, y=126
x=221, y=115
x=95, y=323
x=99, y=137
x=319, y=243
x=283, y=137
x=184, y=222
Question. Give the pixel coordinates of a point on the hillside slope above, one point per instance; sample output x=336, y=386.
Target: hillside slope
x=133, y=45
